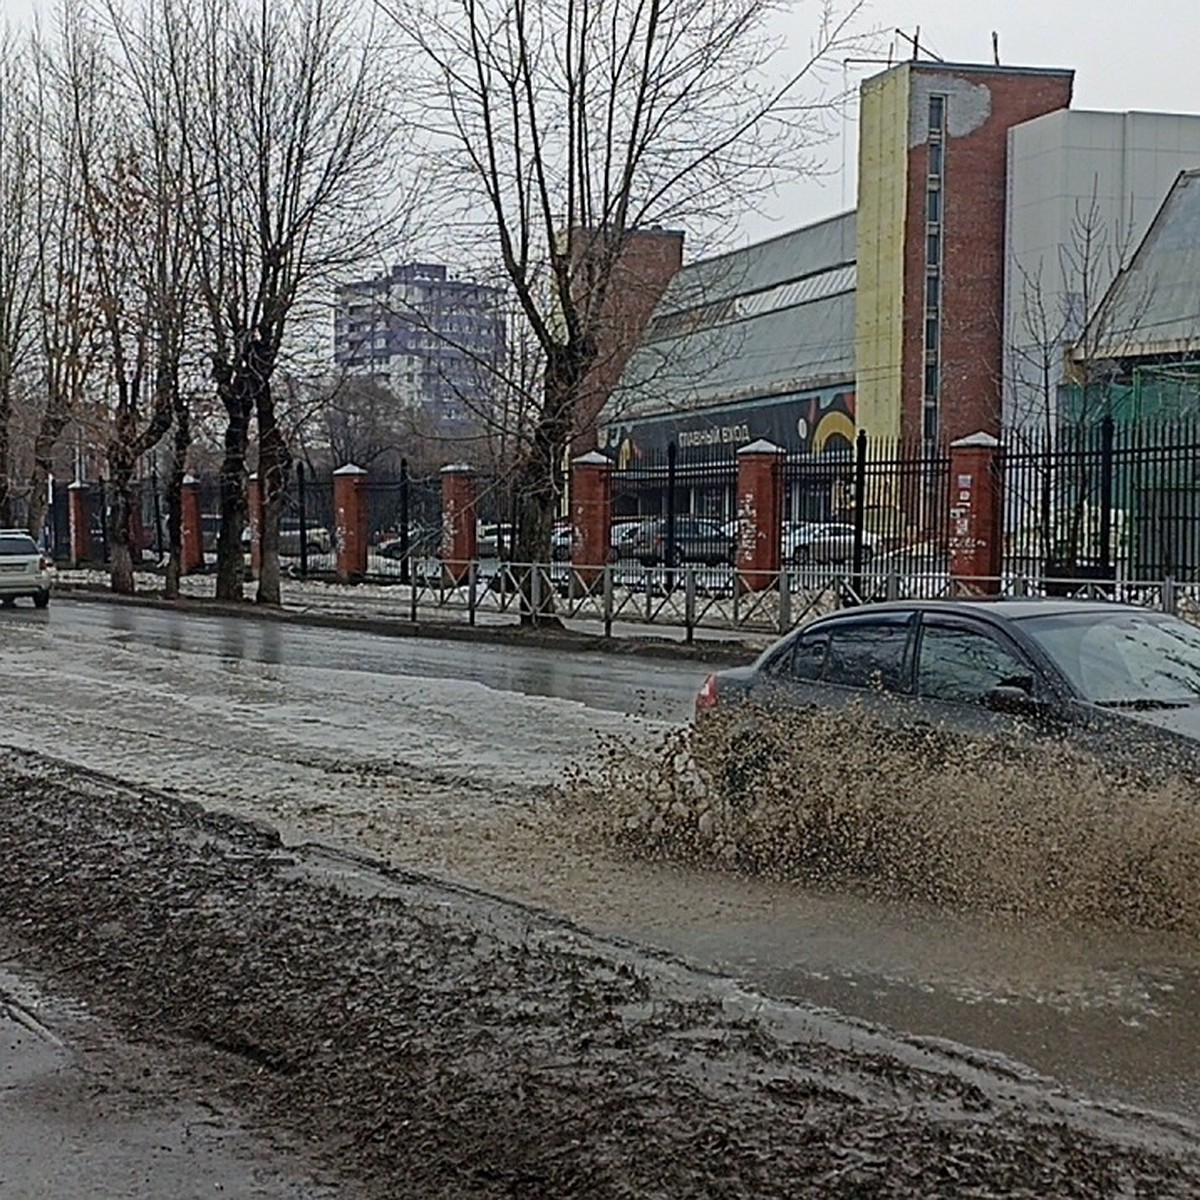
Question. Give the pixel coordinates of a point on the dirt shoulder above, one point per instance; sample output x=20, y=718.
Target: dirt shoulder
x=431, y=1041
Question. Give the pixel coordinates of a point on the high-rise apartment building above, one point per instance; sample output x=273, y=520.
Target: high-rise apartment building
x=437, y=342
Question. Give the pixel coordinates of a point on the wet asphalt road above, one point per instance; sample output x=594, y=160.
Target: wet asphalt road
x=604, y=681
x=425, y=751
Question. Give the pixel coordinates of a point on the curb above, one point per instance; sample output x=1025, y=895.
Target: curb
x=715, y=652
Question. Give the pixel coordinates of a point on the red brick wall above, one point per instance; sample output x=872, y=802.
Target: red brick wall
x=647, y=264
x=974, y=191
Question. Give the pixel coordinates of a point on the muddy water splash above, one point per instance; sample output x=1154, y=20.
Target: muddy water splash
x=1010, y=824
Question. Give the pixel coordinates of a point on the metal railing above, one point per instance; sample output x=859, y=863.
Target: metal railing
x=695, y=599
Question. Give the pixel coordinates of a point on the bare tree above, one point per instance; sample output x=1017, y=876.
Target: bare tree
x=19, y=161
x=292, y=156
x=69, y=320
x=563, y=129
x=1054, y=351
x=149, y=216
x=122, y=202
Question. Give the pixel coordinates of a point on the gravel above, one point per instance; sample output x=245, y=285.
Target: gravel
x=432, y=1041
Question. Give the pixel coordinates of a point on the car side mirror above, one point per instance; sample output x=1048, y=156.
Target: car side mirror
x=1013, y=698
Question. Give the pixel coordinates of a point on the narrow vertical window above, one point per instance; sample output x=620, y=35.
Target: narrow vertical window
x=935, y=216
x=937, y=114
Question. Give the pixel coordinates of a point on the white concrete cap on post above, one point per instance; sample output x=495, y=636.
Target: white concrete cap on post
x=762, y=446
x=188, y=480
x=593, y=458
x=77, y=485
x=976, y=441
x=349, y=469
x=459, y=468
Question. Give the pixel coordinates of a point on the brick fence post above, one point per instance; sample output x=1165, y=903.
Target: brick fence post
x=459, y=531
x=350, y=522
x=192, y=534
x=976, y=515
x=759, y=515
x=79, y=515
x=591, y=515
x=254, y=513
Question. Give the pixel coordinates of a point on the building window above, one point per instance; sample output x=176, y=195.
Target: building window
x=935, y=215
x=930, y=429
x=937, y=114
x=933, y=205
x=931, y=381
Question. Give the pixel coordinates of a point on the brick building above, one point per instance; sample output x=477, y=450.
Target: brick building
x=646, y=263
x=903, y=316
x=931, y=242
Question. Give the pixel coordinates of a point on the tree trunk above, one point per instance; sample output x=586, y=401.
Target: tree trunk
x=539, y=481
x=179, y=452
x=274, y=464
x=6, y=389
x=231, y=563
x=54, y=421
x=120, y=543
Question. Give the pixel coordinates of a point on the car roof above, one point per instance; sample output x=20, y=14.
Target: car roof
x=998, y=609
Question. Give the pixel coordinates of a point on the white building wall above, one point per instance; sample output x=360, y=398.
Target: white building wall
x=1108, y=171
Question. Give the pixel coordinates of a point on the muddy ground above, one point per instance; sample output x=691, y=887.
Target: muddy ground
x=430, y=1041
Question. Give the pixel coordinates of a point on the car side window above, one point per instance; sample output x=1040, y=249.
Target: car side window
x=866, y=654
x=808, y=656
x=962, y=665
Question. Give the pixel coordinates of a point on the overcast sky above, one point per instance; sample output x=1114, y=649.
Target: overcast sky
x=1126, y=56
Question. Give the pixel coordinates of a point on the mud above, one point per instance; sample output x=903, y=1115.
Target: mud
x=1004, y=823
x=431, y=1041
x=86, y=1115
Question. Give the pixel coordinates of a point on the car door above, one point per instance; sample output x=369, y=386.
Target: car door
x=865, y=660
x=959, y=661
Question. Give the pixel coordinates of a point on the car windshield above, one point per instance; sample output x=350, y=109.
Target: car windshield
x=1123, y=659
x=17, y=544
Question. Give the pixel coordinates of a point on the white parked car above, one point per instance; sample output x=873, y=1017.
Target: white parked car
x=24, y=569
x=316, y=538
x=825, y=542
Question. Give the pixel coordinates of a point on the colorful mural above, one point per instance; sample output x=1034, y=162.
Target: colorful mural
x=814, y=422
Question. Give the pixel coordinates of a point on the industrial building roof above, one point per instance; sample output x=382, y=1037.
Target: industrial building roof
x=773, y=318
x=1153, y=305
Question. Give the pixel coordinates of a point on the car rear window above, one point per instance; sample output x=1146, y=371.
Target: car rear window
x=867, y=654
x=14, y=544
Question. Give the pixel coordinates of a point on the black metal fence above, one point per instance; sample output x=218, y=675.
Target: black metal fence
x=1104, y=501
x=1095, y=502
x=877, y=505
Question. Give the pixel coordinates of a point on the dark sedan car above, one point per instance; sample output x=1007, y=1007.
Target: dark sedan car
x=1091, y=672
x=694, y=539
